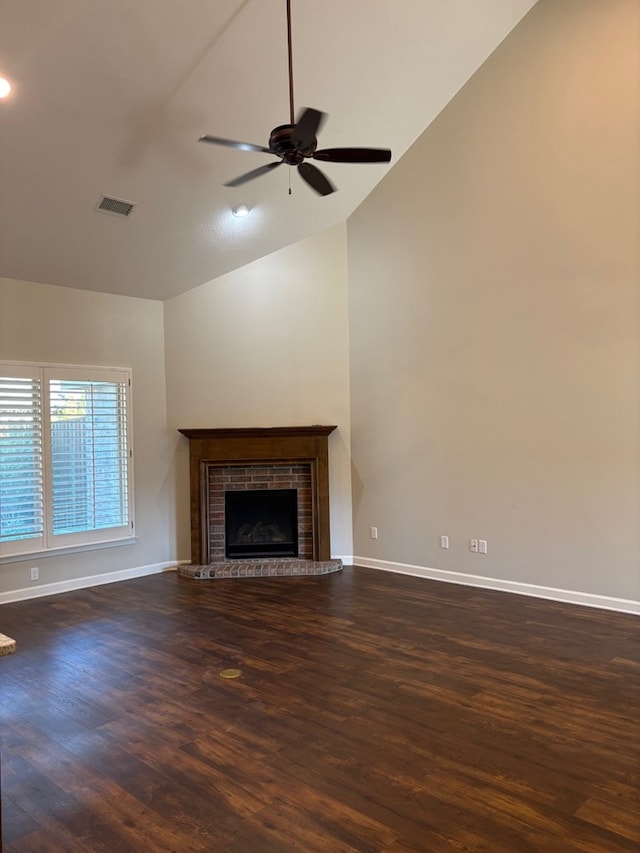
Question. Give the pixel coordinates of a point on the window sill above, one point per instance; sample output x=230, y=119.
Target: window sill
x=69, y=549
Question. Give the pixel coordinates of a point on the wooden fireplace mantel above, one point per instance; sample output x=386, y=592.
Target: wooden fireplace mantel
x=258, y=432
x=259, y=445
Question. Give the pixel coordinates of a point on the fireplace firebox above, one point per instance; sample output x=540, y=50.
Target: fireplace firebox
x=261, y=523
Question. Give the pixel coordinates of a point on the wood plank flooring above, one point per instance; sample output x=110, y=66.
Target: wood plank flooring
x=375, y=712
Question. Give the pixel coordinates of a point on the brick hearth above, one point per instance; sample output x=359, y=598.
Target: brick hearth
x=289, y=567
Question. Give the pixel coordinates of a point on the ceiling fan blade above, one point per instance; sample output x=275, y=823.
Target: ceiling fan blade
x=316, y=180
x=353, y=155
x=254, y=173
x=306, y=129
x=231, y=143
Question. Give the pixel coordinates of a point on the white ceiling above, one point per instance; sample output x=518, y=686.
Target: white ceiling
x=110, y=97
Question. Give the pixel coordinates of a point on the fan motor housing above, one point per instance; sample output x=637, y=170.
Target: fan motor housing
x=280, y=142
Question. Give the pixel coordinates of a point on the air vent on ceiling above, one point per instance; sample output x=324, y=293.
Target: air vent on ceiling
x=117, y=206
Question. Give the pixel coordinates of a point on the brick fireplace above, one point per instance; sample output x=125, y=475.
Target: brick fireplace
x=259, y=459
x=220, y=479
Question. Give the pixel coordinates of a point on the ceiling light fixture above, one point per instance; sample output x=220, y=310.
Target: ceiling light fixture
x=5, y=87
x=240, y=210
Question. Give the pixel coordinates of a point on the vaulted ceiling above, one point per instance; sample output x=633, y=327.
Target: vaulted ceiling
x=110, y=98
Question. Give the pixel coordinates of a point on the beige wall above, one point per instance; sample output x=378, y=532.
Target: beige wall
x=43, y=323
x=266, y=345
x=494, y=303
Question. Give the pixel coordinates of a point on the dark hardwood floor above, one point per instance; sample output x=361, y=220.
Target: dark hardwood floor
x=375, y=712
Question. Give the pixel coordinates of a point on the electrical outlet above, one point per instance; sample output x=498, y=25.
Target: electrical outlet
x=482, y=546
x=35, y=573
x=374, y=532
x=444, y=541
x=473, y=545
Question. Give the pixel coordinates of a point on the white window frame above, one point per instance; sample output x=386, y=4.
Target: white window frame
x=50, y=542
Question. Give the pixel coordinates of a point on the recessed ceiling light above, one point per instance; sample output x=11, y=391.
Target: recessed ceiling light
x=5, y=87
x=240, y=210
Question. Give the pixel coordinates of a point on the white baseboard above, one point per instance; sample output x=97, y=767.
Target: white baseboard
x=83, y=583
x=604, y=602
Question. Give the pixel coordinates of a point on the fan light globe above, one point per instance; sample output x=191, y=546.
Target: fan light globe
x=240, y=210
x=5, y=87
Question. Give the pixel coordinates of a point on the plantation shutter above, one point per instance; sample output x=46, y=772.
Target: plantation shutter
x=89, y=455
x=21, y=478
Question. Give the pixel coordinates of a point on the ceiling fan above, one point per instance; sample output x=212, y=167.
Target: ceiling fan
x=295, y=143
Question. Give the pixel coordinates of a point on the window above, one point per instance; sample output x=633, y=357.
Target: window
x=65, y=457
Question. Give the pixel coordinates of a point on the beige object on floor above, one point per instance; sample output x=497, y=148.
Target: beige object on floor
x=7, y=645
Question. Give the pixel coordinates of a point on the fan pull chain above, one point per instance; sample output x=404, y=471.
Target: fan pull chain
x=289, y=180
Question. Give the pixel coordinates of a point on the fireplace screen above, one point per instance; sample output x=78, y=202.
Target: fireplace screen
x=261, y=523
